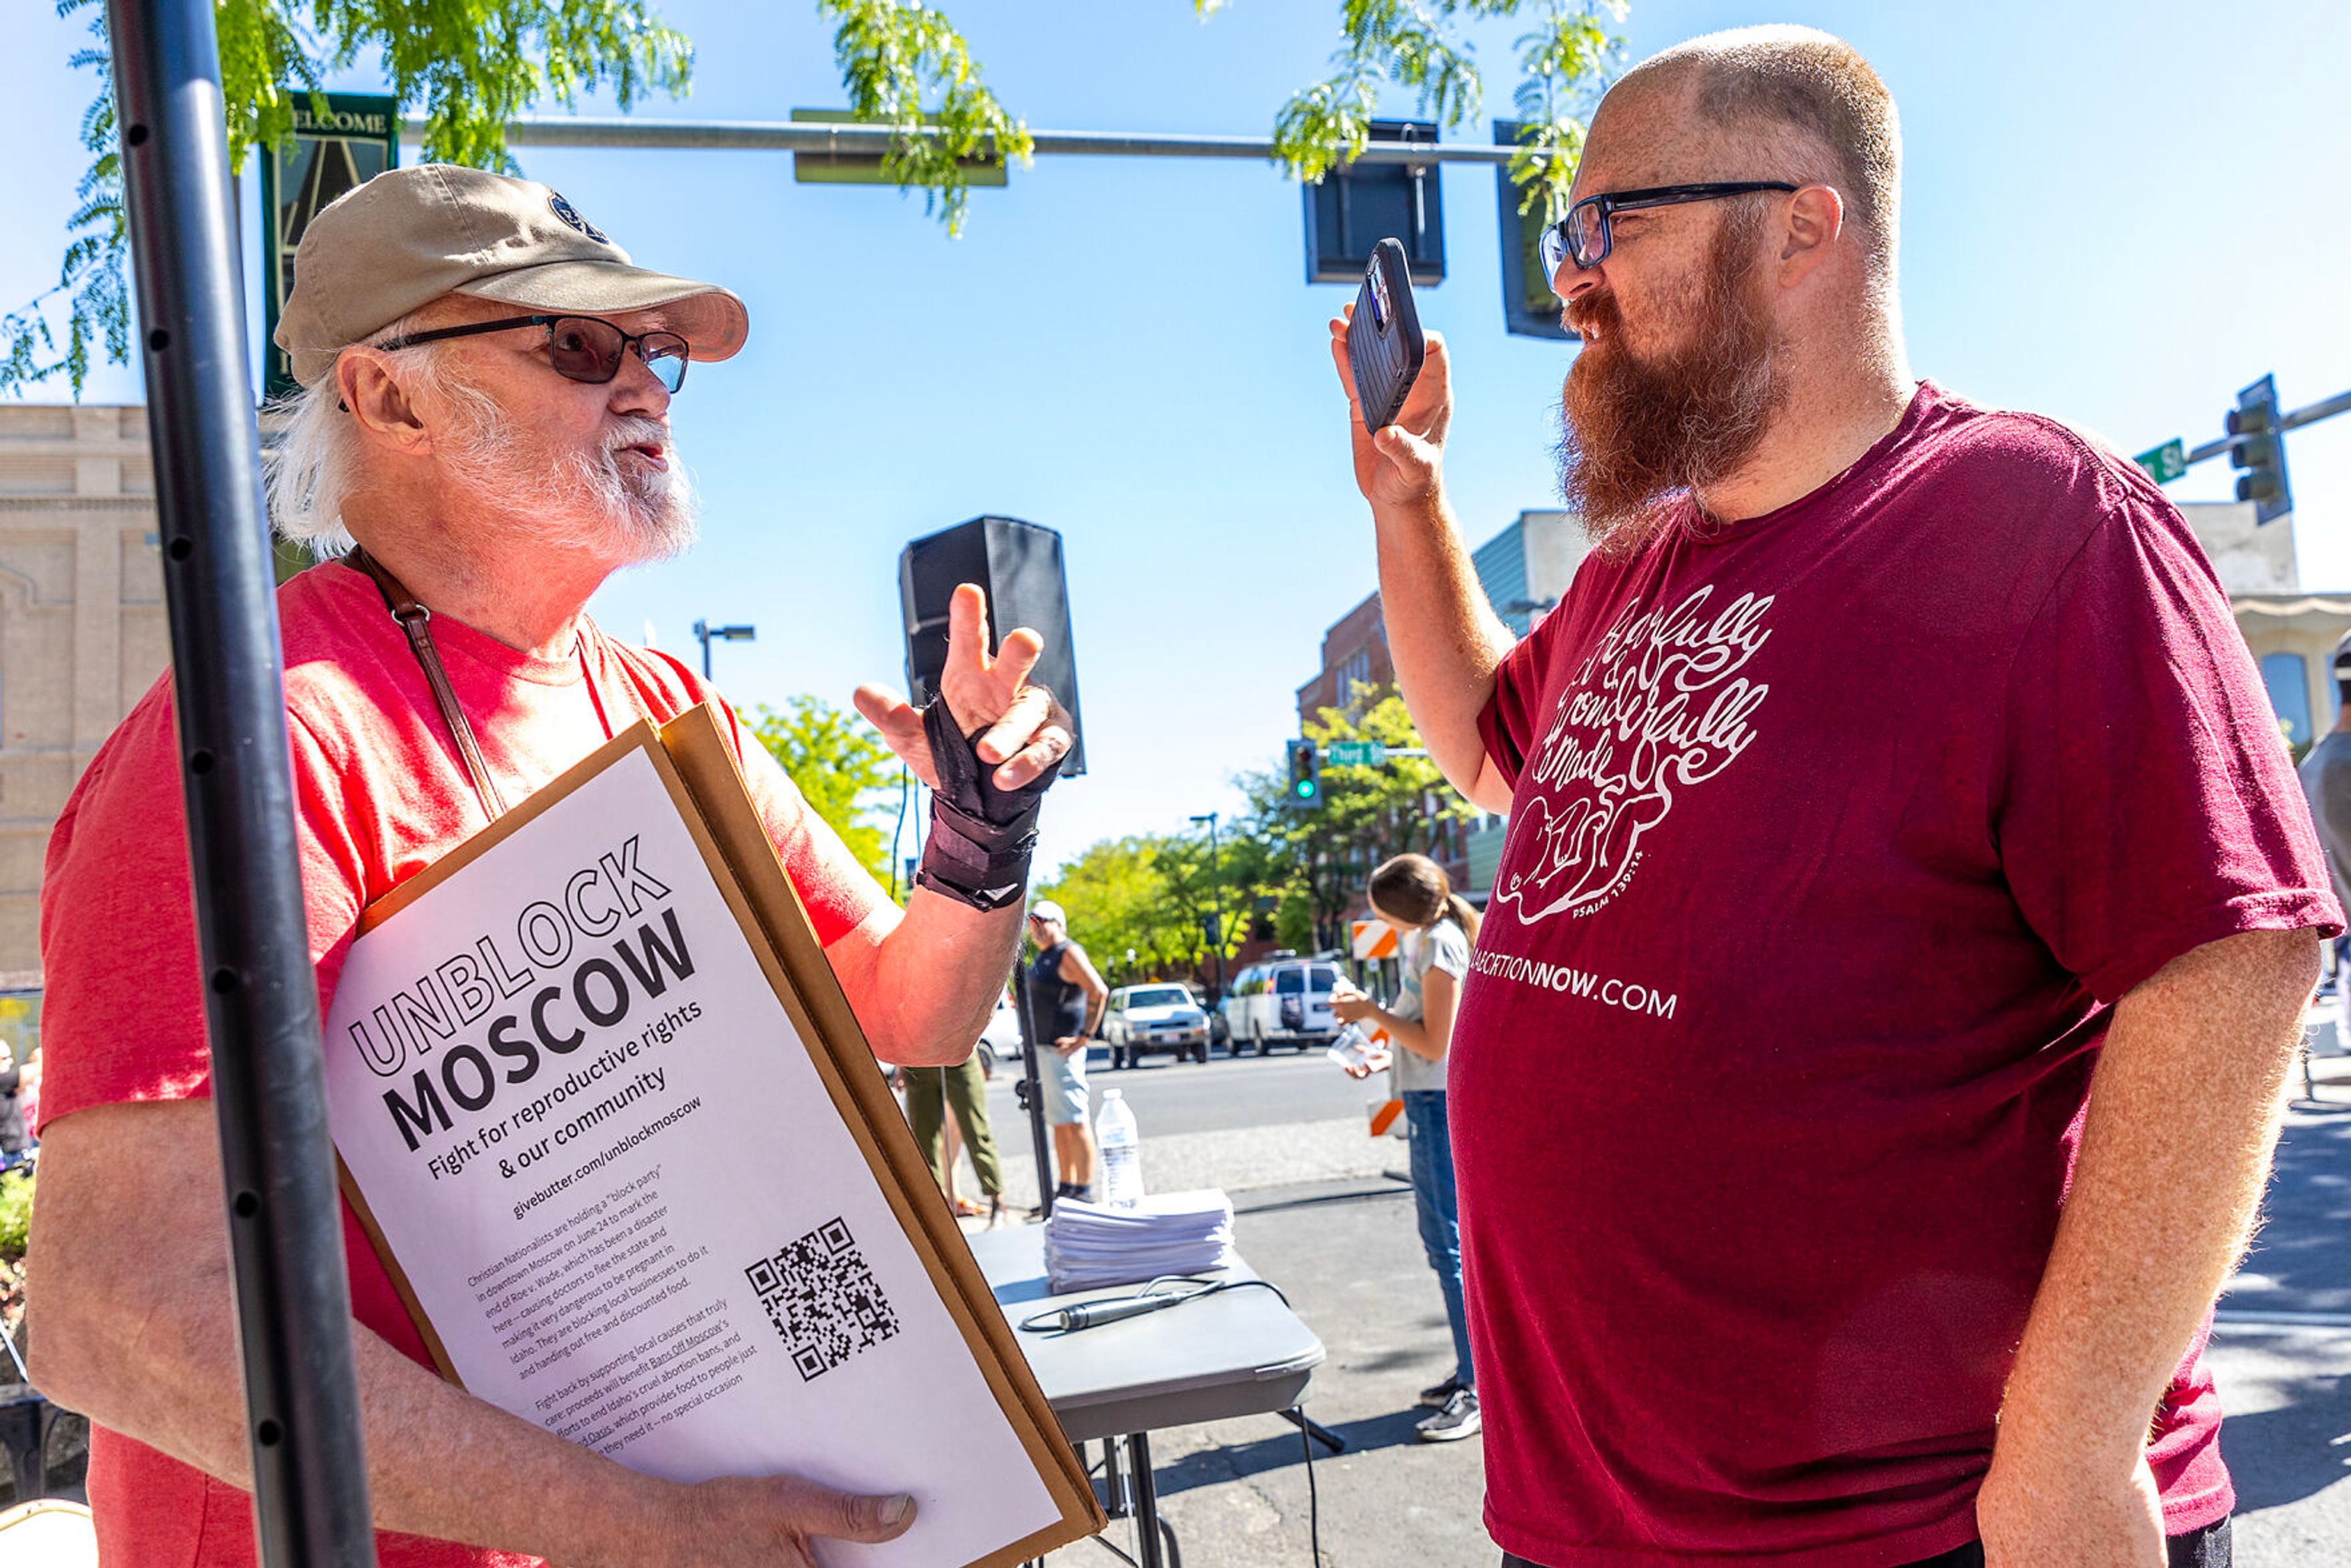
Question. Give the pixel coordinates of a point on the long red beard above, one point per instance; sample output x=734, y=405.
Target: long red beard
x=1636, y=432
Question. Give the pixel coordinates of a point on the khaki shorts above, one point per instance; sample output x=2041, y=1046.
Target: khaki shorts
x=1062, y=1081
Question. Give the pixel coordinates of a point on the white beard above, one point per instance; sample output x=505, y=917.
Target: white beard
x=579, y=500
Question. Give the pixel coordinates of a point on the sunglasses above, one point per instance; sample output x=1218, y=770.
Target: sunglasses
x=1582, y=235
x=580, y=348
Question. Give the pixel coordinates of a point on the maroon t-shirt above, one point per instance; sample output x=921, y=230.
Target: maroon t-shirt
x=1837, y=833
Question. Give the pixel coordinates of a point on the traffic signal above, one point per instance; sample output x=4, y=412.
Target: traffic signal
x=2260, y=450
x=1305, y=773
x=1356, y=205
x=1530, y=309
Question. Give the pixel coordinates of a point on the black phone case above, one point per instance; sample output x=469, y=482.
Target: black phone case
x=1385, y=356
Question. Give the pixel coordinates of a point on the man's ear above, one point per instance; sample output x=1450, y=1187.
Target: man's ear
x=1815, y=221
x=378, y=403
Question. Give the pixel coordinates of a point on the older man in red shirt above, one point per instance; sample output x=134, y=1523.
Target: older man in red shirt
x=485, y=414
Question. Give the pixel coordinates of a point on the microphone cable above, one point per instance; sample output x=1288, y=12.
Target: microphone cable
x=1114, y=1309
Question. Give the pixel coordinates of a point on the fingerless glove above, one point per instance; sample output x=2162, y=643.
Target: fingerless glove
x=981, y=837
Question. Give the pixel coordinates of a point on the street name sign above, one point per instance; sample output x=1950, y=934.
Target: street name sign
x=1354, y=753
x=865, y=168
x=2165, y=463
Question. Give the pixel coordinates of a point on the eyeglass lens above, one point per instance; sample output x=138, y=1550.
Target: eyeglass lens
x=586, y=349
x=1587, y=231
x=1582, y=235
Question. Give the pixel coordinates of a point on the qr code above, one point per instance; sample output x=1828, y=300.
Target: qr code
x=823, y=1299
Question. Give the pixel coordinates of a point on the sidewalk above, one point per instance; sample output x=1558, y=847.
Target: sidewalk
x=1347, y=1256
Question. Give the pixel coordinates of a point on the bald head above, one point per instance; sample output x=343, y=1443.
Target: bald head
x=1789, y=103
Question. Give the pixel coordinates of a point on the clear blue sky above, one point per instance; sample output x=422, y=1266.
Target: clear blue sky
x=2118, y=213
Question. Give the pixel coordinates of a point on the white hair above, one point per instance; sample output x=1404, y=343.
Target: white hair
x=309, y=466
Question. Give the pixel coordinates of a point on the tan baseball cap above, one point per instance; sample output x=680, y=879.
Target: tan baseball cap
x=408, y=237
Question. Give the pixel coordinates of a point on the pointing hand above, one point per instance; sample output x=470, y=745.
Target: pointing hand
x=1026, y=728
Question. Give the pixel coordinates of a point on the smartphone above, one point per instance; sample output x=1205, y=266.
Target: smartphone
x=1385, y=348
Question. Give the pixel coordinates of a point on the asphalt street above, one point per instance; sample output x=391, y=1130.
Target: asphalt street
x=1223, y=1092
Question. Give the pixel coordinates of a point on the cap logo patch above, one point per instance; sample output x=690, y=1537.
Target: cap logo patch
x=571, y=215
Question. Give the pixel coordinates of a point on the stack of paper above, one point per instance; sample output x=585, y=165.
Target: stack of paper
x=1090, y=1244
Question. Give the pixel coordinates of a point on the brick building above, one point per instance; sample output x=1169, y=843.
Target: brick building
x=1354, y=653
x=82, y=631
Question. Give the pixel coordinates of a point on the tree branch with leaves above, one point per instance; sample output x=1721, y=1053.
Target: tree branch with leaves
x=475, y=65
x=1424, y=45
x=897, y=56
x=844, y=771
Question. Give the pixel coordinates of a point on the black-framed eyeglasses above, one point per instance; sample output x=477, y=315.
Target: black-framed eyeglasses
x=580, y=348
x=1582, y=235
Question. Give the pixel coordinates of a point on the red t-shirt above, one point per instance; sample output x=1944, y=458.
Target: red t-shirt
x=1835, y=835
x=381, y=794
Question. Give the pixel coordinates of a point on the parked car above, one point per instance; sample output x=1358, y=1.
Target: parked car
x=1000, y=1040
x=1154, y=1018
x=1283, y=1001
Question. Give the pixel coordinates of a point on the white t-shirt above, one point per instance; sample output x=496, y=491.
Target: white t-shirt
x=1441, y=947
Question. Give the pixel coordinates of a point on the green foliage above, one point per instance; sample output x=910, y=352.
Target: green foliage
x=896, y=57
x=476, y=64
x=1367, y=814
x=473, y=64
x=16, y=1214
x=844, y=770
x=1559, y=64
x=1420, y=45
x=1119, y=899
x=90, y=280
x=1151, y=892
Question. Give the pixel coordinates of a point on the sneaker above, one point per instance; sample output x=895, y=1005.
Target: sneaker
x=1437, y=1399
x=1459, y=1418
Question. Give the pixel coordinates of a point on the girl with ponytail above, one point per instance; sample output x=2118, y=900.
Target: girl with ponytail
x=1413, y=893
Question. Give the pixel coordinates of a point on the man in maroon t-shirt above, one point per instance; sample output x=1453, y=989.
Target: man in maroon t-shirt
x=1869, y=1069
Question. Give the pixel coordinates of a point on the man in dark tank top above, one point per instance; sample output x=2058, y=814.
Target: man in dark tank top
x=1063, y=999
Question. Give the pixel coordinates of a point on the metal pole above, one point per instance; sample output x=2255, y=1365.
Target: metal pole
x=812, y=136
x=1033, y=1094
x=1216, y=883
x=2326, y=408
x=261, y=999
x=1147, y=1554
x=1216, y=891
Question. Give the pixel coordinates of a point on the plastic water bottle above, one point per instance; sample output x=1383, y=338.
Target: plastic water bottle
x=1121, y=1152
x=1353, y=1047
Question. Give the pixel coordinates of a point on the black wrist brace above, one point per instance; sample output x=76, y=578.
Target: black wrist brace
x=981, y=836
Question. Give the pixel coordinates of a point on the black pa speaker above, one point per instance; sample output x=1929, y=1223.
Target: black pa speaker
x=1018, y=566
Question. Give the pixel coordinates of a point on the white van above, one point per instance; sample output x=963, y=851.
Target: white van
x=1284, y=1001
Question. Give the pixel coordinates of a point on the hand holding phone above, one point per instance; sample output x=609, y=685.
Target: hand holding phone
x=1385, y=345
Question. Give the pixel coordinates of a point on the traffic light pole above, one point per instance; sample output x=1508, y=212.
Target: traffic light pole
x=853, y=139
x=2326, y=408
x=2254, y=441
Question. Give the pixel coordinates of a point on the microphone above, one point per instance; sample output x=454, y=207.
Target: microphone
x=1109, y=1310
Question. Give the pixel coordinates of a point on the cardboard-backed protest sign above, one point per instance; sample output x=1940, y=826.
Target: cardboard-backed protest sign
x=604, y=1110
